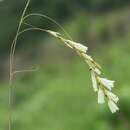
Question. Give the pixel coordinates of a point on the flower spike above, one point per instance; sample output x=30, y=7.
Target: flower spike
x=100, y=85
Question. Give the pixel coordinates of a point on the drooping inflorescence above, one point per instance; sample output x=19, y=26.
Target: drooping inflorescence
x=102, y=86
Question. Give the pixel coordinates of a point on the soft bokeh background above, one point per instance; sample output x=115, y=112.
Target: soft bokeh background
x=59, y=95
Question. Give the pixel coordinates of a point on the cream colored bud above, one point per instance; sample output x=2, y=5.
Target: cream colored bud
x=109, y=84
x=77, y=46
x=94, y=81
x=55, y=34
x=101, y=96
x=113, y=107
x=112, y=96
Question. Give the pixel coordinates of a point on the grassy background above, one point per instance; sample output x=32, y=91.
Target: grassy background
x=59, y=96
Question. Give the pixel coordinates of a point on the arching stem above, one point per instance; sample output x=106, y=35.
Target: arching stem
x=52, y=20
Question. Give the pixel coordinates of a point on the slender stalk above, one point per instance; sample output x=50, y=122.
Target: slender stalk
x=30, y=29
x=13, y=46
x=52, y=20
x=21, y=71
x=12, y=51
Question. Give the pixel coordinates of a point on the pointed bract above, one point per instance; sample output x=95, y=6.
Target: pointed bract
x=94, y=81
x=97, y=71
x=101, y=96
x=112, y=96
x=107, y=83
x=113, y=107
x=77, y=46
x=55, y=34
x=87, y=57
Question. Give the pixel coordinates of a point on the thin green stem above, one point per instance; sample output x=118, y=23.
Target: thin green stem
x=13, y=46
x=12, y=51
x=52, y=20
x=30, y=29
x=25, y=70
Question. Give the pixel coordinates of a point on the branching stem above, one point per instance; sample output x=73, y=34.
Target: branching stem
x=12, y=51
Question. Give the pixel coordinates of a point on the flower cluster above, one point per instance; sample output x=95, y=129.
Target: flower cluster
x=101, y=85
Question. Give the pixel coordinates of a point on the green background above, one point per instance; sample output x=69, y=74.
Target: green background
x=59, y=95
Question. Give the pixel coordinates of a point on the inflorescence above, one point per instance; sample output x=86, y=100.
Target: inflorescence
x=102, y=86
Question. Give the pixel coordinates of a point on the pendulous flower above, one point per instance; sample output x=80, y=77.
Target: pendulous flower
x=101, y=96
x=77, y=46
x=109, y=84
x=55, y=34
x=94, y=81
x=113, y=107
x=112, y=96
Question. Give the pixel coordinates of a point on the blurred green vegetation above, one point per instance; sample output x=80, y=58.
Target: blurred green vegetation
x=59, y=96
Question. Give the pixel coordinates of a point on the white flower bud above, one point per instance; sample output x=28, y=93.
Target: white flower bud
x=107, y=83
x=113, y=107
x=87, y=57
x=55, y=34
x=112, y=96
x=91, y=61
x=101, y=96
x=77, y=46
x=94, y=81
x=97, y=71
